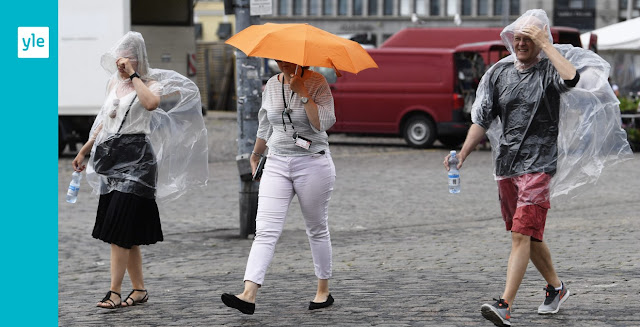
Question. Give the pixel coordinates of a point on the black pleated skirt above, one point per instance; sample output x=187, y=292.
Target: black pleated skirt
x=126, y=219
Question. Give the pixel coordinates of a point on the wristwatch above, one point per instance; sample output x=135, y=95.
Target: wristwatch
x=304, y=100
x=135, y=74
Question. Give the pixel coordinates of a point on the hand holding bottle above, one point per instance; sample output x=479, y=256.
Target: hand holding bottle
x=74, y=187
x=452, y=165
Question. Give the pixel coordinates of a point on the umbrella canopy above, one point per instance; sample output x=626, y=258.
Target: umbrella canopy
x=304, y=45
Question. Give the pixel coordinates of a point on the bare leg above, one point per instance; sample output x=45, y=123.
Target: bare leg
x=541, y=258
x=322, y=294
x=518, y=261
x=250, y=291
x=134, y=268
x=119, y=259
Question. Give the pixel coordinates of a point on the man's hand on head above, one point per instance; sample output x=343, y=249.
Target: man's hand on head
x=537, y=35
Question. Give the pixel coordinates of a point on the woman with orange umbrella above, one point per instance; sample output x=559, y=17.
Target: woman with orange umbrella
x=297, y=109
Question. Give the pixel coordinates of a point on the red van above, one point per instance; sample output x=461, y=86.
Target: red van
x=416, y=93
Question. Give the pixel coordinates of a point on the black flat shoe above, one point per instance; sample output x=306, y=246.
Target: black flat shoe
x=133, y=302
x=107, y=300
x=316, y=305
x=233, y=301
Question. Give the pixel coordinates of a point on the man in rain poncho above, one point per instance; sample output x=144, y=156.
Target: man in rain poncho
x=524, y=104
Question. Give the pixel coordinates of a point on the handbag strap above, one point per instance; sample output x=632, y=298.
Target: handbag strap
x=125, y=115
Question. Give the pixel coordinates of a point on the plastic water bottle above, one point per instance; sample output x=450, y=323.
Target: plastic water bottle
x=454, y=174
x=74, y=187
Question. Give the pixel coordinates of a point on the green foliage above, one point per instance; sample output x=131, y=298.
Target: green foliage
x=633, y=136
x=628, y=105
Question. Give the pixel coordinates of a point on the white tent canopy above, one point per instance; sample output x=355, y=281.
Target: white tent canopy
x=619, y=44
x=621, y=36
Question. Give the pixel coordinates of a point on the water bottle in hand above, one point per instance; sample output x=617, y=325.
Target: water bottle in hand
x=74, y=187
x=454, y=174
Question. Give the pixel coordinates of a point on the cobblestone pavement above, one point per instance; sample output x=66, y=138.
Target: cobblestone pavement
x=405, y=252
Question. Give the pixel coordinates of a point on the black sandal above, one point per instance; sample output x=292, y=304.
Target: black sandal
x=144, y=299
x=107, y=299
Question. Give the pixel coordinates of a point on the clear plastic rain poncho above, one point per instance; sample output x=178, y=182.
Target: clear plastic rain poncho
x=587, y=116
x=173, y=150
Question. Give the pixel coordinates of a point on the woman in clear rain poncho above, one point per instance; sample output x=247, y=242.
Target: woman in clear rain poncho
x=554, y=124
x=148, y=143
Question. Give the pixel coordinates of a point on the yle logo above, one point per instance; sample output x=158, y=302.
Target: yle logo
x=33, y=42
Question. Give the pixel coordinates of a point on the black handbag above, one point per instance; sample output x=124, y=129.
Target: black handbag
x=114, y=148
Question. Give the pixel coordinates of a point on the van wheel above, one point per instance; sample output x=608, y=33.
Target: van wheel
x=419, y=132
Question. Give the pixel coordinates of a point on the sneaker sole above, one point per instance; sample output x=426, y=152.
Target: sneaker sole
x=490, y=313
x=564, y=298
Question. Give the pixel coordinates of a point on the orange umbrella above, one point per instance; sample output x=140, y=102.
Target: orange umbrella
x=302, y=44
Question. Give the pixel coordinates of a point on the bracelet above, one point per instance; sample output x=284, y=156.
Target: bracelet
x=257, y=154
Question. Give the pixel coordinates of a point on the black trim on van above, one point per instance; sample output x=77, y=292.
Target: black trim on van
x=453, y=128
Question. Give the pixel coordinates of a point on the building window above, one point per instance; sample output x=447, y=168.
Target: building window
x=514, y=7
x=372, y=8
x=387, y=8
x=451, y=6
x=421, y=7
x=357, y=7
x=578, y=4
x=297, y=7
x=283, y=7
x=434, y=7
x=327, y=8
x=635, y=4
x=466, y=8
x=314, y=6
x=575, y=4
x=405, y=7
x=483, y=7
x=342, y=7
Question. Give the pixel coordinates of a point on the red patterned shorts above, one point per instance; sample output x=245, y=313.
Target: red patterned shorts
x=524, y=201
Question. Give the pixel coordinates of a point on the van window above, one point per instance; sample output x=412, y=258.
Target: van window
x=470, y=67
x=569, y=38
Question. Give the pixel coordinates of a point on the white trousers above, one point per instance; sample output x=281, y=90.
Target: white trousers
x=311, y=178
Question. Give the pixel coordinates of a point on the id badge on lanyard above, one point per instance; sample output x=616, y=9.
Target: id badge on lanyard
x=298, y=140
x=301, y=141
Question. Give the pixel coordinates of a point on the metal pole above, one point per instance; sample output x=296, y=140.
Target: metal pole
x=248, y=90
x=629, y=7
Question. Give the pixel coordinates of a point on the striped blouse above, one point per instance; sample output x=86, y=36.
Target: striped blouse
x=279, y=136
